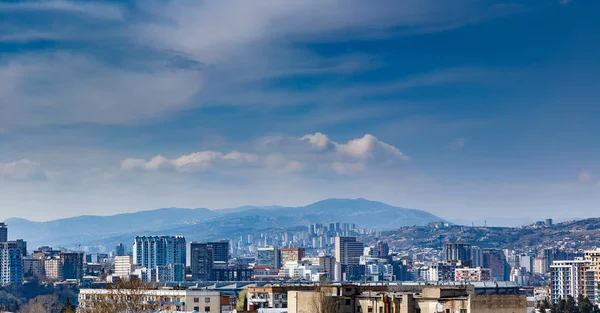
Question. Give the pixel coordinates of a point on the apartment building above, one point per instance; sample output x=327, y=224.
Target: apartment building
x=199, y=300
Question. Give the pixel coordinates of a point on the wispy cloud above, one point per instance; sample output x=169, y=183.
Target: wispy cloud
x=23, y=169
x=457, y=143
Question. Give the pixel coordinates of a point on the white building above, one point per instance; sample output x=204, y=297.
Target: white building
x=567, y=278
x=304, y=270
x=123, y=266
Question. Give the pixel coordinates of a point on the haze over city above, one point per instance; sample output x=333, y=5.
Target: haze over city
x=468, y=110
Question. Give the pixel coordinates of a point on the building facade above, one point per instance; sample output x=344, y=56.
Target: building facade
x=567, y=278
x=187, y=300
x=153, y=251
x=472, y=274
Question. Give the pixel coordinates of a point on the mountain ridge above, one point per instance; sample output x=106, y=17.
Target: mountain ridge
x=203, y=223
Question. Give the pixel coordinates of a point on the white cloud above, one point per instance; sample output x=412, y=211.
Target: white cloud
x=457, y=144
x=100, y=10
x=585, y=176
x=288, y=155
x=192, y=162
x=364, y=148
x=318, y=140
x=23, y=169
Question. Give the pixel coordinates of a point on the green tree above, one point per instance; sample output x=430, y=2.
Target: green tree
x=585, y=306
x=69, y=307
x=571, y=305
x=242, y=301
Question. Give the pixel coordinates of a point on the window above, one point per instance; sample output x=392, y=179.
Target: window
x=207, y=300
x=447, y=310
x=380, y=309
x=370, y=309
x=206, y=309
x=463, y=310
x=348, y=302
x=196, y=300
x=197, y=308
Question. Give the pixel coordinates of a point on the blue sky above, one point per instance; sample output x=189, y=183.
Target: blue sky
x=471, y=110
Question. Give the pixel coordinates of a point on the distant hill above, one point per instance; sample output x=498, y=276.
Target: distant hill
x=204, y=224
x=580, y=234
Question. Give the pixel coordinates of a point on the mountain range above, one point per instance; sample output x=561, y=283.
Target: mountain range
x=206, y=224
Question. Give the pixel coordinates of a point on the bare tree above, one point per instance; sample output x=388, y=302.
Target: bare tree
x=132, y=296
x=42, y=304
x=323, y=301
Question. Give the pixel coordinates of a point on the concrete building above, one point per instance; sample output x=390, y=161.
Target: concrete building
x=291, y=255
x=458, y=252
x=170, y=273
x=11, y=265
x=53, y=269
x=120, y=250
x=270, y=297
x=592, y=285
x=270, y=257
x=476, y=257
x=153, y=251
x=72, y=265
x=33, y=267
x=171, y=300
x=448, y=299
x=201, y=261
x=304, y=270
x=472, y=274
x=220, y=250
x=348, y=250
x=3, y=232
x=123, y=266
x=567, y=278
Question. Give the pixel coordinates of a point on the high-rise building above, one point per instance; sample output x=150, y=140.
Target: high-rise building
x=170, y=273
x=291, y=255
x=72, y=265
x=592, y=286
x=53, y=269
x=33, y=267
x=120, y=250
x=567, y=278
x=201, y=261
x=458, y=252
x=153, y=251
x=123, y=266
x=476, y=257
x=3, y=232
x=269, y=257
x=11, y=264
x=495, y=260
x=220, y=250
x=348, y=250
x=383, y=249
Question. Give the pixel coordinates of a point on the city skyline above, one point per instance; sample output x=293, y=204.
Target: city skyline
x=479, y=109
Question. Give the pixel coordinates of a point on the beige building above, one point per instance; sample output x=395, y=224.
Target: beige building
x=291, y=255
x=33, y=267
x=123, y=266
x=270, y=297
x=53, y=269
x=200, y=300
x=435, y=299
x=592, y=289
